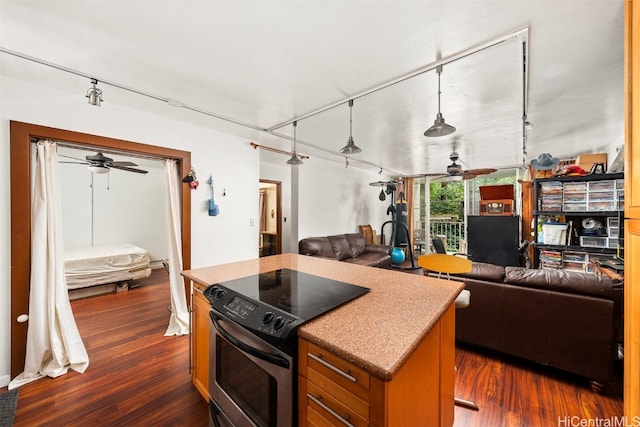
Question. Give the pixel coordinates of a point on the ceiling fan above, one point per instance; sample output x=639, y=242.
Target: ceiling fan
x=101, y=164
x=454, y=171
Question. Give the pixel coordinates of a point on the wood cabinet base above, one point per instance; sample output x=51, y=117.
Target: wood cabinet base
x=332, y=390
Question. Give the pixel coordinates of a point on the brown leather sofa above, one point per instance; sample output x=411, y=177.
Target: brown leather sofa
x=567, y=320
x=348, y=248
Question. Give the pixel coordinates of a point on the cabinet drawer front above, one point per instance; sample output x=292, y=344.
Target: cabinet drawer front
x=338, y=370
x=331, y=408
x=316, y=419
x=357, y=402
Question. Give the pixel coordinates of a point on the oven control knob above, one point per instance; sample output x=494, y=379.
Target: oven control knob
x=279, y=323
x=268, y=317
x=219, y=293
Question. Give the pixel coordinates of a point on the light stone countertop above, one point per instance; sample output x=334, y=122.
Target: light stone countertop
x=377, y=331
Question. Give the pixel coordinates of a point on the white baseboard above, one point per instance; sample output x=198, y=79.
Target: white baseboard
x=155, y=265
x=4, y=380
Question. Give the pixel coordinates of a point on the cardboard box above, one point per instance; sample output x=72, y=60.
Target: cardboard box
x=586, y=161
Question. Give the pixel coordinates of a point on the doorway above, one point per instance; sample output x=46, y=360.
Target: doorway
x=269, y=217
x=21, y=162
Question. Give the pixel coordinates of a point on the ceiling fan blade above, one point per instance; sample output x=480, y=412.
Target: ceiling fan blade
x=73, y=158
x=484, y=171
x=128, y=169
x=122, y=164
x=74, y=163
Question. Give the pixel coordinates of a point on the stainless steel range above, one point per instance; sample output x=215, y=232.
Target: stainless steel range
x=254, y=321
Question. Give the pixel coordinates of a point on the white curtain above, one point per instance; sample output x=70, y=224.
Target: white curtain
x=53, y=342
x=179, y=321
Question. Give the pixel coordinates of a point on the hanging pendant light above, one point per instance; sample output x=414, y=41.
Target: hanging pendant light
x=294, y=160
x=351, y=147
x=439, y=128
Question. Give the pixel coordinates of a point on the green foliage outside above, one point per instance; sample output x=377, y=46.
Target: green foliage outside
x=447, y=200
x=447, y=206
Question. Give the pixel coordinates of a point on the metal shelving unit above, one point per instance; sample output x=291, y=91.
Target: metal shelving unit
x=595, y=198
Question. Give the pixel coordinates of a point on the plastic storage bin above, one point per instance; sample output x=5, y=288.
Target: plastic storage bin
x=594, y=242
x=554, y=233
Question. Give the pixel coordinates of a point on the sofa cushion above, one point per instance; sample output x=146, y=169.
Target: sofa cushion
x=371, y=259
x=340, y=246
x=316, y=246
x=562, y=281
x=357, y=244
x=484, y=271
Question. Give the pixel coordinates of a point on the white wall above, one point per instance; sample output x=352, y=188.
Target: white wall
x=232, y=162
x=118, y=207
x=334, y=199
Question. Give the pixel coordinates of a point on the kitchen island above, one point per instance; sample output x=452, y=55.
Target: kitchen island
x=397, y=341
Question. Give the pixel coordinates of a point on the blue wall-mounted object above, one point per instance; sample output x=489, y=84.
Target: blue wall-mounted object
x=213, y=208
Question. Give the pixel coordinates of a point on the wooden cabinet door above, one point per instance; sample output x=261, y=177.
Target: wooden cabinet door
x=632, y=319
x=632, y=110
x=632, y=210
x=200, y=344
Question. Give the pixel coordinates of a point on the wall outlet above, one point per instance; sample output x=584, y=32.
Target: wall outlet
x=252, y=222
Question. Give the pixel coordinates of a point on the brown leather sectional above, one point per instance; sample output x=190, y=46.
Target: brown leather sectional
x=348, y=248
x=567, y=320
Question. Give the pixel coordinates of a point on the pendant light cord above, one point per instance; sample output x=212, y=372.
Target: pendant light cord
x=295, y=124
x=439, y=71
x=350, y=117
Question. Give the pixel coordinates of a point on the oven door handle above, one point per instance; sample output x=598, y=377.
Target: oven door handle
x=274, y=359
x=215, y=412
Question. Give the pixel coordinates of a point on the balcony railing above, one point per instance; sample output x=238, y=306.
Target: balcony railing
x=451, y=232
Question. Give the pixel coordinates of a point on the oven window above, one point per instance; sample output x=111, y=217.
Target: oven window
x=250, y=386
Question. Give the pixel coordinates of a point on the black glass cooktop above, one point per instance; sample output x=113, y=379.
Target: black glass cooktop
x=301, y=294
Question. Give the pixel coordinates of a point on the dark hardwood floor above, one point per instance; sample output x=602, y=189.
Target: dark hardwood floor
x=139, y=377
x=136, y=375
x=515, y=393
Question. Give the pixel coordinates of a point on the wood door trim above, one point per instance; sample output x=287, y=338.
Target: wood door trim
x=20, y=161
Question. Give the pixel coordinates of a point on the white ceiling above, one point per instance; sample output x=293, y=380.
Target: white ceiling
x=264, y=63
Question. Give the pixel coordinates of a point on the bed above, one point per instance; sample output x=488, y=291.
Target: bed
x=98, y=265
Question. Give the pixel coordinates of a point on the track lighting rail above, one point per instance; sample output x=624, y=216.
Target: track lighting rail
x=522, y=33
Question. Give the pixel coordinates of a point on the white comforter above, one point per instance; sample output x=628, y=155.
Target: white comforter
x=105, y=264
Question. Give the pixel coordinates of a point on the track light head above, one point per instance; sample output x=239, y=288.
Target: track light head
x=94, y=94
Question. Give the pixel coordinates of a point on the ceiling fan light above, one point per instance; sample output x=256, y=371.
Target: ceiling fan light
x=450, y=178
x=98, y=169
x=439, y=128
x=351, y=147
